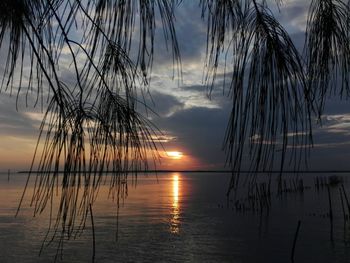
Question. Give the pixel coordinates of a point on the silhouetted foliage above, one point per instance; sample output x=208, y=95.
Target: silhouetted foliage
x=267, y=84
x=328, y=49
x=91, y=123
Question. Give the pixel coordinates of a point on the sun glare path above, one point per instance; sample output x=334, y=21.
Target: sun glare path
x=175, y=220
x=175, y=191
x=174, y=155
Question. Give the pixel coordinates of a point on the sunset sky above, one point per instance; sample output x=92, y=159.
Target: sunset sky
x=192, y=123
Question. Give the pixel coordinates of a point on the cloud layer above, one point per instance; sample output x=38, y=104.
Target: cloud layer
x=195, y=123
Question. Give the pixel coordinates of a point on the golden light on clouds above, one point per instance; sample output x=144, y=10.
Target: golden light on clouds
x=175, y=155
x=178, y=159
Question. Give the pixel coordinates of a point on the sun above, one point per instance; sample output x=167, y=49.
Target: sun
x=174, y=155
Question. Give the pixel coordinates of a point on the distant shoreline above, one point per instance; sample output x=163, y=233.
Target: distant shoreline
x=214, y=171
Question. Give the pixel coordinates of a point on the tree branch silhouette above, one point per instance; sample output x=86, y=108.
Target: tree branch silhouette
x=92, y=125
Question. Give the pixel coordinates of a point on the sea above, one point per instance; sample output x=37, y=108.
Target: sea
x=187, y=217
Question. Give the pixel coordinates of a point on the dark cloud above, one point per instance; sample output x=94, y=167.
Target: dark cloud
x=163, y=104
x=195, y=88
x=200, y=131
x=291, y=13
x=17, y=122
x=336, y=105
x=299, y=41
x=190, y=33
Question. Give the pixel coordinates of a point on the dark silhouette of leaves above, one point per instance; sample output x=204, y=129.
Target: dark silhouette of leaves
x=92, y=124
x=328, y=49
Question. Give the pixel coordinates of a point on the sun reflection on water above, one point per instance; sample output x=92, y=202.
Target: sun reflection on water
x=175, y=219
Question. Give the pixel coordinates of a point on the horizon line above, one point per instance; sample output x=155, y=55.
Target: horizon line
x=207, y=171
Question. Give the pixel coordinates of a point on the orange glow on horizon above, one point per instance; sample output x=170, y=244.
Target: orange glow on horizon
x=177, y=160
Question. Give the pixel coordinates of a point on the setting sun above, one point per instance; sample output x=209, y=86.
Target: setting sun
x=174, y=155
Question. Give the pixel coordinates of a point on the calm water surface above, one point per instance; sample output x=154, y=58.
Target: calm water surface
x=181, y=217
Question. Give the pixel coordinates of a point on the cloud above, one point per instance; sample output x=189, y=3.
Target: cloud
x=164, y=105
x=24, y=122
x=189, y=119
x=199, y=132
x=190, y=34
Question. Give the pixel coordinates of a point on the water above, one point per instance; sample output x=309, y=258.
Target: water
x=182, y=217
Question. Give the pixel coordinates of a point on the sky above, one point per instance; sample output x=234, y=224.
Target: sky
x=190, y=121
